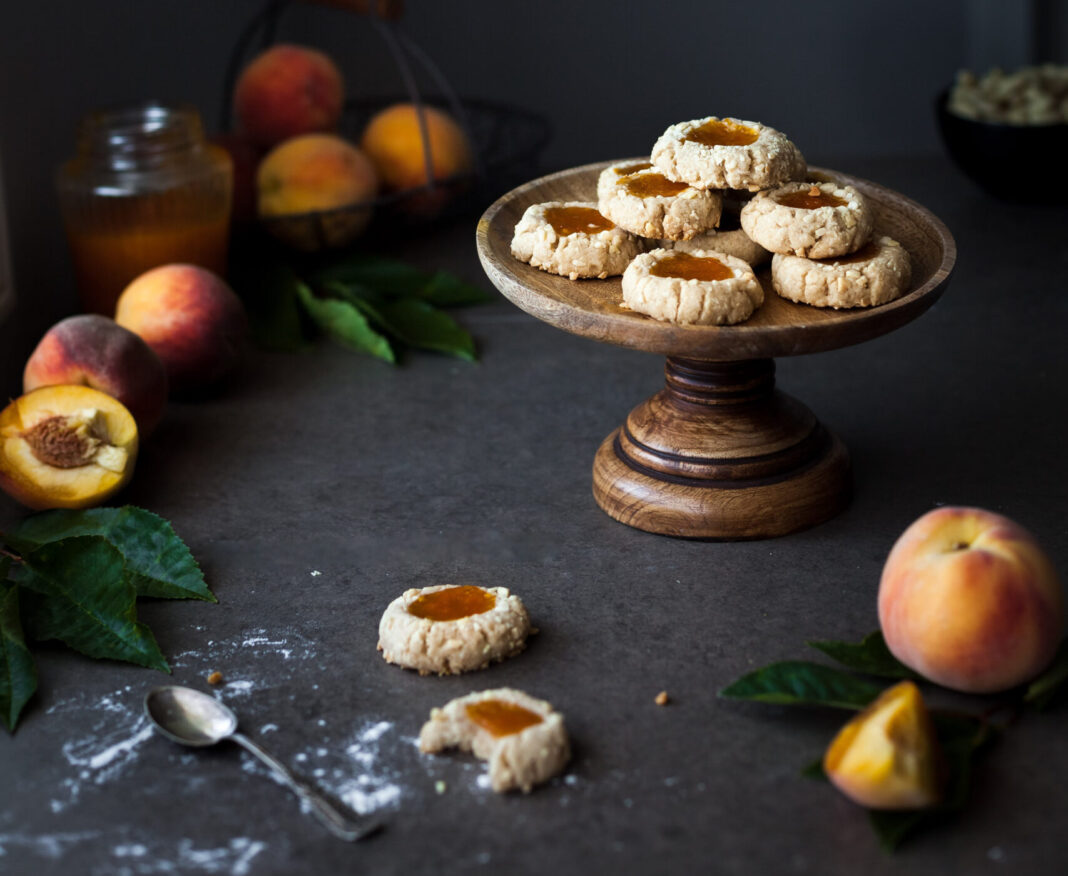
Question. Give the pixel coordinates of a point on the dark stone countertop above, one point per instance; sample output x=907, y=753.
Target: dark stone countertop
x=324, y=484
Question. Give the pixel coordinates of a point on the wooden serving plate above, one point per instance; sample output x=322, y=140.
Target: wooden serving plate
x=719, y=452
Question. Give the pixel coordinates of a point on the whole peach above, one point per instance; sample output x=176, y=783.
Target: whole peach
x=191, y=318
x=288, y=90
x=969, y=600
x=92, y=350
x=316, y=172
x=393, y=140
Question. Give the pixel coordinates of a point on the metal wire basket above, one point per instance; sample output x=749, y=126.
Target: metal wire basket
x=506, y=141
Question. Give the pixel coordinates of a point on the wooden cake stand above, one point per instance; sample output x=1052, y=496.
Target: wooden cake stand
x=719, y=452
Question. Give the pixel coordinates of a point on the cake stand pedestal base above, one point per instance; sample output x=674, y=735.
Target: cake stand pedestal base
x=720, y=453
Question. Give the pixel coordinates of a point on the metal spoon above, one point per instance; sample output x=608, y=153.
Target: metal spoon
x=190, y=717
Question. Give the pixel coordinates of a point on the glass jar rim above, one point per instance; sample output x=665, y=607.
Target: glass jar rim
x=139, y=135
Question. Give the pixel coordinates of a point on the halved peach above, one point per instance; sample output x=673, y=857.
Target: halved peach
x=888, y=757
x=66, y=447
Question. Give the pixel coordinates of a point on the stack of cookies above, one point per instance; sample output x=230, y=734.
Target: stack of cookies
x=716, y=198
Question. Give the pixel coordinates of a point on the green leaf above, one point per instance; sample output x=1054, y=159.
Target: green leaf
x=344, y=322
x=798, y=682
x=893, y=826
x=447, y=290
x=870, y=656
x=1044, y=689
x=383, y=275
x=814, y=770
x=961, y=738
x=84, y=598
x=396, y=279
x=419, y=324
x=18, y=674
x=270, y=292
x=157, y=560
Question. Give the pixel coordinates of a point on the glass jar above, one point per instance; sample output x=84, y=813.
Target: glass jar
x=143, y=189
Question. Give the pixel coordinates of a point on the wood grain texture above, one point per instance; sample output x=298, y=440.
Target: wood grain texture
x=719, y=453
x=778, y=328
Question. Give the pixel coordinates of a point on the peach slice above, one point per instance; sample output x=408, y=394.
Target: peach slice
x=66, y=447
x=888, y=757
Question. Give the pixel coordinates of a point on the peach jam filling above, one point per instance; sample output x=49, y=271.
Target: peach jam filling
x=684, y=266
x=500, y=718
x=627, y=169
x=573, y=220
x=722, y=132
x=652, y=185
x=453, y=603
x=810, y=199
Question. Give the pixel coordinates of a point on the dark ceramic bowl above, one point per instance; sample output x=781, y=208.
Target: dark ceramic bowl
x=1022, y=163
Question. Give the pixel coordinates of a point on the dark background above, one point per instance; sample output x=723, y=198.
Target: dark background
x=325, y=483
x=843, y=79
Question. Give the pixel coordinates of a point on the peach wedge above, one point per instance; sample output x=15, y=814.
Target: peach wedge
x=887, y=757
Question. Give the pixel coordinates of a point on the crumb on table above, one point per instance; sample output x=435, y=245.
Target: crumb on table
x=661, y=698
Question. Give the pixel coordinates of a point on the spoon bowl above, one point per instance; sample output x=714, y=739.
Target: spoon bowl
x=190, y=717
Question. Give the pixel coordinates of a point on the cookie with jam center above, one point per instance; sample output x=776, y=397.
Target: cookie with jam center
x=572, y=239
x=699, y=288
x=877, y=273
x=448, y=629
x=523, y=738
x=647, y=203
x=809, y=219
x=727, y=153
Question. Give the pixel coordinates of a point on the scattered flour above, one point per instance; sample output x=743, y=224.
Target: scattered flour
x=112, y=731
x=51, y=846
x=356, y=771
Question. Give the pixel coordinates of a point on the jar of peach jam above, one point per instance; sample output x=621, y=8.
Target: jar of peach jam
x=143, y=189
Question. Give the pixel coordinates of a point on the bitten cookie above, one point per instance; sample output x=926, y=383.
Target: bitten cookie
x=715, y=153
x=647, y=203
x=813, y=220
x=699, y=288
x=878, y=272
x=572, y=239
x=728, y=238
x=449, y=629
x=523, y=738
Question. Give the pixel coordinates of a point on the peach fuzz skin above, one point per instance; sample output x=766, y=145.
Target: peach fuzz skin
x=191, y=318
x=393, y=140
x=314, y=172
x=285, y=91
x=92, y=350
x=969, y=600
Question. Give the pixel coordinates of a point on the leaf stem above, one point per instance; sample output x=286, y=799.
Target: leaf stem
x=11, y=555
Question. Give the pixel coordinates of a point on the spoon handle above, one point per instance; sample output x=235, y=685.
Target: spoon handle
x=329, y=815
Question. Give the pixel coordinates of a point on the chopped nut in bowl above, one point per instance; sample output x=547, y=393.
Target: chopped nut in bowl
x=1009, y=132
